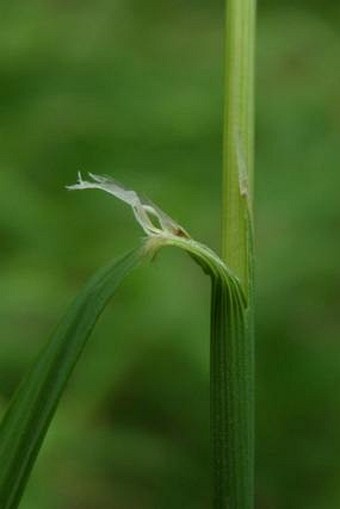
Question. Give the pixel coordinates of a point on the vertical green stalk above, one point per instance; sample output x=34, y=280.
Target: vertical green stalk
x=232, y=358
x=238, y=142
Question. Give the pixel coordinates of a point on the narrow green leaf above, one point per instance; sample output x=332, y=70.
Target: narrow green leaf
x=32, y=408
x=26, y=422
x=232, y=344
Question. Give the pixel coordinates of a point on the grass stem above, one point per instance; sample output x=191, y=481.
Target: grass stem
x=238, y=138
x=232, y=357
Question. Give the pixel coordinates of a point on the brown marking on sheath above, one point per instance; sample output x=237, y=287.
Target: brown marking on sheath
x=179, y=232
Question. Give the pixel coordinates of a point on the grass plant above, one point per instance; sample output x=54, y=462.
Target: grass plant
x=232, y=364
x=27, y=419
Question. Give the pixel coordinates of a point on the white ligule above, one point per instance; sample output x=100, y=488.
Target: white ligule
x=145, y=212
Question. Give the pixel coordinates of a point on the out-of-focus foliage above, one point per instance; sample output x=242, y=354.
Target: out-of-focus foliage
x=134, y=89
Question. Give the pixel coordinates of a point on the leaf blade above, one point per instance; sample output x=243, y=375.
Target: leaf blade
x=27, y=419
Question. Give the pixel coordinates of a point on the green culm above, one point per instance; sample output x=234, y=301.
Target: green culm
x=31, y=410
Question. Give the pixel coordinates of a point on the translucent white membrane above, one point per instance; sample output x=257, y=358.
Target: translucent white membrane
x=145, y=212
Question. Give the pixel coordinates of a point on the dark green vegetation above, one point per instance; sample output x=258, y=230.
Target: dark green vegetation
x=24, y=426
x=134, y=89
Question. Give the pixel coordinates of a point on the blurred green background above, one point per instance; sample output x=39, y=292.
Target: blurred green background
x=133, y=88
